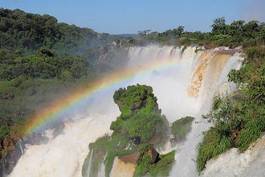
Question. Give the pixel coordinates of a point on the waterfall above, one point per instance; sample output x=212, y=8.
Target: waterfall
x=101, y=170
x=86, y=173
x=20, y=147
x=186, y=88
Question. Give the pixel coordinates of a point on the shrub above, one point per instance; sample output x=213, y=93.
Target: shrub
x=212, y=145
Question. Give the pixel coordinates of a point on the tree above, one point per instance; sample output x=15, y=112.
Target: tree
x=46, y=52
x=178, y=31
x=251, y=28
x=219, y=26
x=144, y=32
x=237, y=27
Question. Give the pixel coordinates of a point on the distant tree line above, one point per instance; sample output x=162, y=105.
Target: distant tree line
x=238, y=33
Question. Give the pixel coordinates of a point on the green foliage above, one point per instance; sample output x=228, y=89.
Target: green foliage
x=140, y=116
x=4, y=130
x=181, y=127
x=28, y=32
x=159, y=169
x=238, y=33
x=213, y=144
x=163, y=166
x=44, y=66
x=219, y=26
x=133, y=98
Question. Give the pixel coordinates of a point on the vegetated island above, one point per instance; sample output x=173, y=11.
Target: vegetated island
x=139, y=128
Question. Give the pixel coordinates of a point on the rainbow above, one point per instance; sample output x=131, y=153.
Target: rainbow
x=58, y=107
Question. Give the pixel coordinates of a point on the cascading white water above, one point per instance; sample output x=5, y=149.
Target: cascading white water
x=184, y=89
x=20, y=147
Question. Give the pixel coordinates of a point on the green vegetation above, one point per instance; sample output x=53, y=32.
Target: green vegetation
x=158, y=169
x=138, y=107
x=238, y=33
x=136, y=130
x=25, y=32
x=43, y=65
x=181, y=127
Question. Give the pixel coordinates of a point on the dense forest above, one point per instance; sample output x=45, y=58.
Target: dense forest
x=238, y=33
x=39, y=57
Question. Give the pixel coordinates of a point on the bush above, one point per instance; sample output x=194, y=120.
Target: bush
x=212, y=145
x=158, y=169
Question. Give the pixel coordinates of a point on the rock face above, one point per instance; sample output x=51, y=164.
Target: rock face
x=154, y=155
x=131, y=158
x=8, y=162
x=123, y=169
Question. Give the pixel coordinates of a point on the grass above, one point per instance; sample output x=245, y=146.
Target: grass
x=213, y=144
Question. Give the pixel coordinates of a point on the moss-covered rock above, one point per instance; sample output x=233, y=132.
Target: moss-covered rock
x=135, y=132
x=181, y=127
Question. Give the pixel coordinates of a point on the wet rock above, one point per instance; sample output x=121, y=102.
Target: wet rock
x=8, y=162
x=131, y=158
x=122, y=169
x=153, y=154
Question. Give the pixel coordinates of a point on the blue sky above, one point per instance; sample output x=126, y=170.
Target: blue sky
x=130, y=16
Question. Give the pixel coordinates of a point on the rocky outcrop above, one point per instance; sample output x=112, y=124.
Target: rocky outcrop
x=121, y=168
x=8, y=162
x=131, y=158
x=125, y=165
x=153, y=154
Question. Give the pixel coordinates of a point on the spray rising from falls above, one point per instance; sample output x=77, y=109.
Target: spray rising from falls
x=184, y=83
